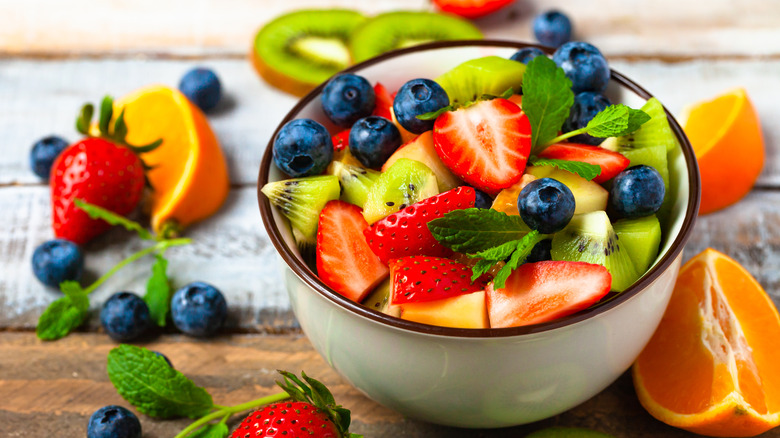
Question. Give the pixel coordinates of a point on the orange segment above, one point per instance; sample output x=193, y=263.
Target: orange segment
x=189, y=174
x=726, y=135
x=713, y=365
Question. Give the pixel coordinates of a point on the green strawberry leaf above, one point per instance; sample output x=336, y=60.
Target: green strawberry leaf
x=547, y=98
x=64, y=314
x=473, y=229
x=84, y=120
x=158, y=291
x=120, y=128
x=106, y=112
x=96, y=212
x=585, y=170
x=219, y=430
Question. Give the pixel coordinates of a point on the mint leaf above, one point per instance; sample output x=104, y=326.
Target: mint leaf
x=481, y=268
x=64, y=314
x=158, y=291
x=636, y=118
x=219, y=430
x=608, y=122
x=112, y=218
x=523, y=248
x=547, y=98
x=147, y=382
x=434, y=114
x=473, y=229
x=585, y=170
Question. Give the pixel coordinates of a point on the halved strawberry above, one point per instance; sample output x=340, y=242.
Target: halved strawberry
x=406, y=233
x=383, y=102
x=344, y=260
x=340, y=140
x=485, y=144
x=471, y=8
x=418, y=279
x=543, y=291
x=611, y=163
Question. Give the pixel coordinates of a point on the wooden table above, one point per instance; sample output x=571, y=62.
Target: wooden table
x=54, y=57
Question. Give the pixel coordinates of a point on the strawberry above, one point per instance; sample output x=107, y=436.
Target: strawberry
x=417, y=279
x=471, y=8
x=383, y=102
x=611, y=163
x=341, y=140
x=543, y=291
x=406, y=233
x=486, y=144
x=345, y=262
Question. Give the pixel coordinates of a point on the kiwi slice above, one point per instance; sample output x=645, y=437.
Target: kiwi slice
x=300, y=200
x=355, y=181
x=590, y=238
x=489, y=75
x=641, y=238
x=297, y=51
x=379, y=298
x=401, y=185
x=395, y=30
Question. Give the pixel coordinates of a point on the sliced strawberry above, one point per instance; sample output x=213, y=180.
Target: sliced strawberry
x=471, y=8
x=406, y=233
x=543, y=291
x=611, y=163
x=418, y=279
x=486, y=144
x=383, y=102
x=340, y=140
x=344, y=260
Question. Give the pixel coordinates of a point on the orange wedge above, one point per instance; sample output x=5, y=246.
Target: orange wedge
x=726, y=136
x=189, y=176
x=713, y=365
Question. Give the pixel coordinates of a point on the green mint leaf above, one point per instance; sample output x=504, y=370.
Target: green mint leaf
x=434, y=114
x=498, y=253
x=147, y=382
x=112, y=218
x=522, y=249
x=106, y=112
x=481, y=268
x=84, y=120
x=636, y=118
x=585, y=170
x=64, y=314
x=609, y=122
x=219, y=430
x=547, y=98
x=158, y=292
x=472, y=230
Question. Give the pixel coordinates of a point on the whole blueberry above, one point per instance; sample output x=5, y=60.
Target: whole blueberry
x=552, y=28
x=546, y=205
x=525, y=55
x=482, y=199
x=43, y=154
x=586, y=105
x=113, y=422
x=373, y=139
x=637, y=191
x=198, y=309
x=347, y=98
x=157, y=353
x=416, y=97
x=302, y=148
x=57, y=260
x=201, y=86
x=125, y=316
x=540, y=252
x=584, y=65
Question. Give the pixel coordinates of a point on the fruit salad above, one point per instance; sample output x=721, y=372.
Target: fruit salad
x=503, y=193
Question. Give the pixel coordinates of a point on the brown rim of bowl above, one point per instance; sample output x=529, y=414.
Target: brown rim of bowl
x=304, y=273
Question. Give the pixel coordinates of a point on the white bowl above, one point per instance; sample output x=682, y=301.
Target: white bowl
x=481, y=378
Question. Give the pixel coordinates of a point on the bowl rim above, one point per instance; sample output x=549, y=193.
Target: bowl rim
x=307, y=276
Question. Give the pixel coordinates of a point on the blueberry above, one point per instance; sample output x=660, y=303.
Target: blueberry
x=586, y=105
x=584, y=65
x=552, y=28
x=546, y=205
x=198, y=309
x=416, y=97
x=482, y=199
x=302, y=148
x=347, y=98
x=526, y=54
x=43, y=154
x=113, y=422
x=125, y=316
x=157, y=353
x=57, y=260
x=540, y=252
x=636, y=192
x=373, y=139
x=202, y=87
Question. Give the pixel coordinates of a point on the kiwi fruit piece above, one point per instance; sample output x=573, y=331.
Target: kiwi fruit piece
x=590, y=238
x=404, y=183
x=355, y=181
x=396, y=30
x=641, y=237
x=297, y=51
x=379, y=298
x=489, y=75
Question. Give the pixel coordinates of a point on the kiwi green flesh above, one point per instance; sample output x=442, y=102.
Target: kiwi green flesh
x=394, y=30
x=355, y=181
x=309, y=45
x=404, y=183
x=488, y=75
x=641, y=238
x=379, y=298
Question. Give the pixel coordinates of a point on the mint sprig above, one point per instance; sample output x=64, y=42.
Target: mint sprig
x=585, y=170
x=473, y=230
x=547, y=98
x=612, y=121
x=97, y=212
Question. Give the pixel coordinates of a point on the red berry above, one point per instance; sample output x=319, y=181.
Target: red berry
x=340, y=140
x=471, y=8
x=290, y=419
x=383, y=102
x=418, y=279
x=611, y=163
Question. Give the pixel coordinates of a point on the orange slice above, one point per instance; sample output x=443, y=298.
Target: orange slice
x=713, y=365
x=189, y=176
x=726, y=136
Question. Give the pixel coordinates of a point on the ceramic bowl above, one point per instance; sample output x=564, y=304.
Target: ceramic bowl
x=481, y=378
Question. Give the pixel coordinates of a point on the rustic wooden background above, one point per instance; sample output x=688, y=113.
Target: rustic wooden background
x=55, y=55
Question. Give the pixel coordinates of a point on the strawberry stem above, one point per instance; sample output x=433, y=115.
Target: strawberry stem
x=228, y=411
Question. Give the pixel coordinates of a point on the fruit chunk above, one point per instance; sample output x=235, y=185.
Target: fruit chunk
x=506, y=200
x=641, y=238
x=344, y=260
x=379, y=298
x=611, y=163
x=418, y=279
x=421, y=149
x=590, y=238
x=384, y=102
x=543, y=291
x=355, y=181
x=462, y=311
x=403, y=184
x=712, y=365
x=489, y=75
x=471, y=8
x=588, y=196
